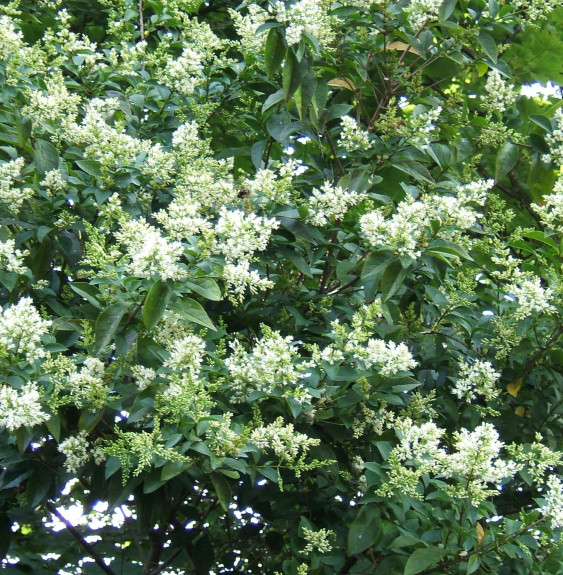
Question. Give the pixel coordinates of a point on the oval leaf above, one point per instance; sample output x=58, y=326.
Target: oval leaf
x=423, y=558
x=106, y=324
x=155, y=304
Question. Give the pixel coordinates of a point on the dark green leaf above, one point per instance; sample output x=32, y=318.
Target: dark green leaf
x=423, y=558
x=392, y=279
x=365, y=530
x=193, y=311
x=507, y=158
x=489, y=45
x=91, y=167
x=274, y=51
x=45, y=157
x=205, y=287
x=222, y=489
x=107, y=323
x=155, y=304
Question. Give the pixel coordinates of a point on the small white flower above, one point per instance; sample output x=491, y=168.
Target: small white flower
x=21, y=409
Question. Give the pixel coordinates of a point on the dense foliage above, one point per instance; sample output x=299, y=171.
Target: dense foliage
x=281, y=287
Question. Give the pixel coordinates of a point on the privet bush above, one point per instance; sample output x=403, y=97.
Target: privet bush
x=281, y=287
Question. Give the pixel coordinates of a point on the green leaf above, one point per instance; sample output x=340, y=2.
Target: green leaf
x=542, y=121
x=223, y=490
x=392, y=279
x=293, y=72
x=54, y=426
x=205, y=287
x=489, y=45
x=423, y=558
x=107, y=323
x=472, y=564
x=91, y=167
x=541, y=180
x=45, y=157
x=88, y=291
x=155, y=304
x=274, y=52
x=273, y=99
x=364, y=531
x=304, y=94
x=507, y=158
x=193, y=311
x=38, y=486
x=446, y=9
x=113, y=464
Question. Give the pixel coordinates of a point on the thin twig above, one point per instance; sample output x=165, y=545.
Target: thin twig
x=74, y=532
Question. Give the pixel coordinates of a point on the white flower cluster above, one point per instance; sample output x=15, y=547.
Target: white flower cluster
x=531, y=296
x=21, y=330
x=76, y=450
x=222, y=439
x=305, y=17
x=272, y=363
x=473, y=463
x=422, y=124
x=475, y=192
x=283, y=440
x=87, y=386
x=555, y=140
x=420, y=12
x=405, y=232
x=551, y=211
x=239, y=277
x=107, y=143
x=389, y=357
x=184, y=74
x=553, y=507
x=149, y=252
x=535, y=11
x=330, y=203
x=476, y=461
x=186, y=355
x=477, y=379
x=144, y=376
x=159, y=166
x=500, y=95
x=55, y=108
x=275, y=185
x=241, y=234
x=318, y=541
x=11, y=197
x=54, y=181
x=11, y=259
x=246, y=26
x=20, y=408
x=536, y=458
x=352, y=136
x=402, y=233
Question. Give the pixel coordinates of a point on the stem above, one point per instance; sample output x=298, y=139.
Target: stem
x=74, y=532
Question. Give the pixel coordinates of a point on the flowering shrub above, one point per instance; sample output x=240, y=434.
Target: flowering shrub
x=280, y=288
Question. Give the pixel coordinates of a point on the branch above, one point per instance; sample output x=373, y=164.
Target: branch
x=74, y=532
